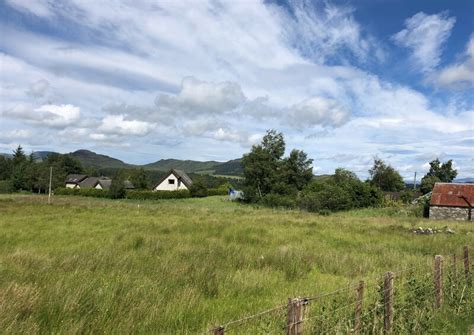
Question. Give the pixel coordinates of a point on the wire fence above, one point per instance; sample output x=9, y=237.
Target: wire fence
x=402, y=301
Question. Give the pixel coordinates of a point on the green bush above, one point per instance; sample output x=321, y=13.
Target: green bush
x=117, y=189
x=6, y=186
x=90, y=192
x=198, y=189
x=325, y=196
x=157, y=195
x=218, y=191
x=277, y=200
x=406, y=196
x=342, y=191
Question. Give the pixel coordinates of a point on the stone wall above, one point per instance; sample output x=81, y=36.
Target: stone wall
x=449, y=213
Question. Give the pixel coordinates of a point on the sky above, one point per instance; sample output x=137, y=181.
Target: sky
x=345, y=81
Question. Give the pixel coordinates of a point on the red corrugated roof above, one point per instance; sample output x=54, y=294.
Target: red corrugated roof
x=450, y=194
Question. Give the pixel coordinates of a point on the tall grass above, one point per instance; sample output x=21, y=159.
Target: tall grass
x=85, y=265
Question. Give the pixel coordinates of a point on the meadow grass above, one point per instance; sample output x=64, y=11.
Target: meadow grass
x=84, y=265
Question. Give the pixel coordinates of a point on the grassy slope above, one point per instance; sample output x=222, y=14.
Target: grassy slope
x=87, y=265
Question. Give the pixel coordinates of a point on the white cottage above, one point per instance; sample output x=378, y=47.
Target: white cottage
x=74, y=180
x=174, y=180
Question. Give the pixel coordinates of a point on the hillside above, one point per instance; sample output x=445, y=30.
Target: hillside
x=42, y=155
x=91, y=159
x=185, y=165
x=230, y=168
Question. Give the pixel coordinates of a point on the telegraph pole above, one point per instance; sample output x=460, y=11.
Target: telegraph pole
x=414, y=183
x=50, y=178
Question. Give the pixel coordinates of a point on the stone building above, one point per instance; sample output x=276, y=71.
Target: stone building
x=452, y=201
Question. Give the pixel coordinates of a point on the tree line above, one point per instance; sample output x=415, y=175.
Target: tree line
x=23, y=172
x=275, y=180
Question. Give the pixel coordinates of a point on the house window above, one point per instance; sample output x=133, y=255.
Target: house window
x=171, y=181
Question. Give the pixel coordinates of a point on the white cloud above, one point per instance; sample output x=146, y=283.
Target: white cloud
x=325, y=31
x=38, y=89
x=425, y=35
x=200, y=97
x=46, y=115
x=41, y=8
x=118, y=125
x=318, y=111
x=460, y=74
x=15, y=135
x=242, y=137
x=248, y=66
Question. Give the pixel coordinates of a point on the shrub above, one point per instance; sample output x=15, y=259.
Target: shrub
x=341, y=191
x=221, y=190
x=117, y=189
x=157, y=195
x=406, y=196
x=325, y=196
x=6, y=186
x=198, y=189
x=90, y=192
x=278, y=200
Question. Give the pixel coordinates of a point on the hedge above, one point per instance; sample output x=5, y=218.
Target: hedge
x=156, y=195
x=90, y=192
x=136, y=194
x=217, y=191
x=6, y=186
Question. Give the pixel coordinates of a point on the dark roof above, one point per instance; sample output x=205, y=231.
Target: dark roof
x=89, y=182
x=452, y=194
x=75, y=178
x=105, y=183
x=180, y=174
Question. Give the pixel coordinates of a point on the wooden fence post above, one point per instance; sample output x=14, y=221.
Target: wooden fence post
x=358, y=308
x=219, y=330
x=438, y=279
x=388, y=301
x=467, y=266
x=295, y=316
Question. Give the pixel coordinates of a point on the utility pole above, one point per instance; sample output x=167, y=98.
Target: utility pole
x=50, y=178
x=414, y=183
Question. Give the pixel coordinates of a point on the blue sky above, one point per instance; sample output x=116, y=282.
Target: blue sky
x=145, y=80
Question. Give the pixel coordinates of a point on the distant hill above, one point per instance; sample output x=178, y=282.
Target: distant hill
x=93, y=160
x=42, y=155
x=90, y=159
x=185, y=165
x=464, y=180
x=4, y=154
x=230, y=168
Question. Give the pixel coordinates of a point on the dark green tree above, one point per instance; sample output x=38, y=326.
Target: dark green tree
x=266, y=172
x=19, y=166
x=385, y=177
x=198, y=189
x=427, y=183
x=139, y=179
x=297, y=169
x=5, y=168
x=262, y=165
x=117, y=189
x=439, y=172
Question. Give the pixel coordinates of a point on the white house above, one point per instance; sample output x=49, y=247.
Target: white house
x=75, y=180
x=174, y=180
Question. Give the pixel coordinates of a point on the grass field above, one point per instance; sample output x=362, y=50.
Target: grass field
x=84, y=265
